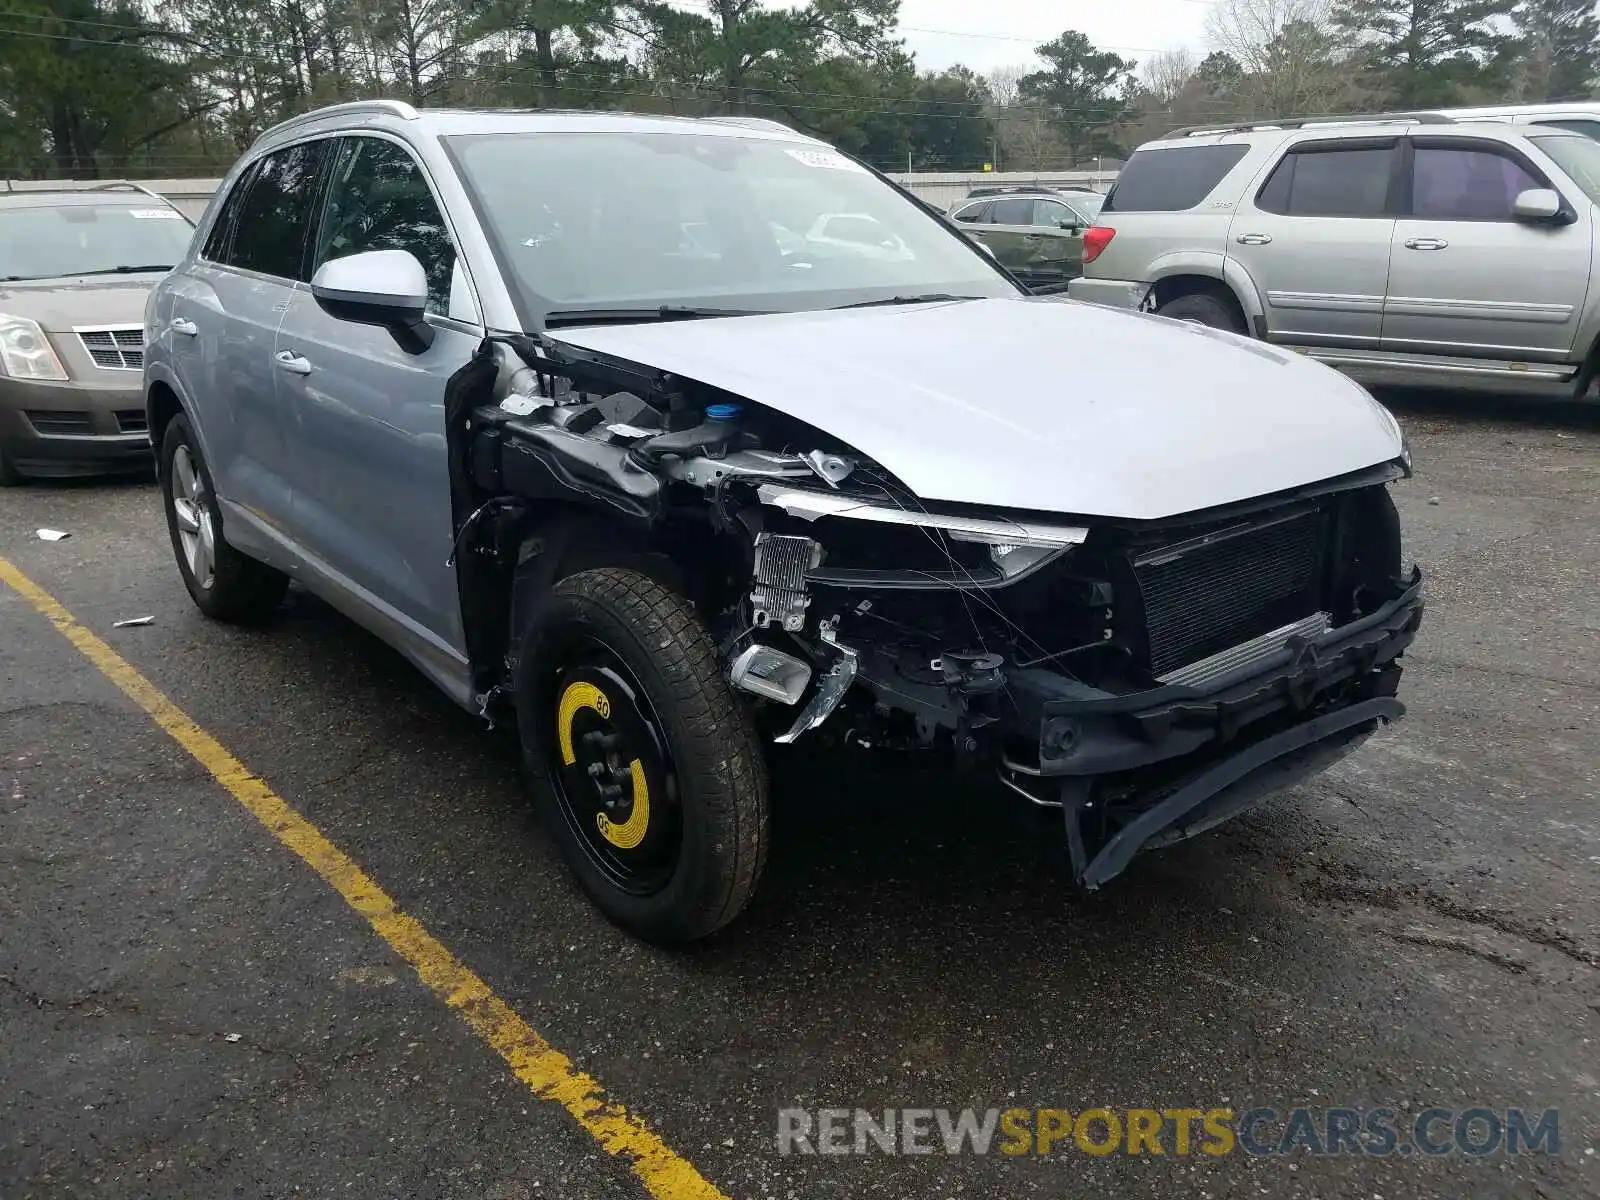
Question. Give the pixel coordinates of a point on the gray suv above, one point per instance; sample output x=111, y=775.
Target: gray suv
x=594, y=418
x=1413, y=249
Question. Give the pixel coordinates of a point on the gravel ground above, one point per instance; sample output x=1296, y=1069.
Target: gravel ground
x=1418, y=928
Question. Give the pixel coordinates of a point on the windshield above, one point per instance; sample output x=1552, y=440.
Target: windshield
x=617, y=220
x=89, y=239
x=1578, y=156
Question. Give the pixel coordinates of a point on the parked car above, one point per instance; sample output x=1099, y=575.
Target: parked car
x=1581, y=116
x=673, y=513
x=857, y=234
x=1069, y=189
x=1037, y=234
x=75, y=268
x=1402, y=250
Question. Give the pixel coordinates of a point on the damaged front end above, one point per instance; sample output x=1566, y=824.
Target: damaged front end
x=1147, y=679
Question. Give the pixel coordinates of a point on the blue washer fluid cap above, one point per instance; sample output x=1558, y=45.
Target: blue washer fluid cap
x=723, y=412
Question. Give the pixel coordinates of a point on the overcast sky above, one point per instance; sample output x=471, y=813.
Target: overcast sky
x=984, y=34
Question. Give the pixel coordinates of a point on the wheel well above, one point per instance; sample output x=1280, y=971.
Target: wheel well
x=1173, y=286
x=160, y=407
x=1584, y=380
x=539, y=549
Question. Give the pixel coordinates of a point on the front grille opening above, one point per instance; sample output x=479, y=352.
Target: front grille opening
x=132, y=420
x=115, y=349
x=65, y=422
x=1217, y=590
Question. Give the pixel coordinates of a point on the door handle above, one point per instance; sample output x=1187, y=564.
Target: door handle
x=289, y=361
x=1254, y=239
x=1426, y=243
x=184, y=326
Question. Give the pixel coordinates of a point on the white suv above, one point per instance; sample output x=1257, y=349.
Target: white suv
x=1415, y=249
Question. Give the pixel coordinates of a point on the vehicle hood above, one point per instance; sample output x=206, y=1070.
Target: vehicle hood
x=1030, y=403
x=58, y=305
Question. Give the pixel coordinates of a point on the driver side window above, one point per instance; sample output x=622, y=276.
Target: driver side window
x=1051, y=214
x=379, y=200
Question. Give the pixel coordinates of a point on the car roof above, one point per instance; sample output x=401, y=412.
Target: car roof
x=76, y=197
x=1333, y=127
x=412, y=122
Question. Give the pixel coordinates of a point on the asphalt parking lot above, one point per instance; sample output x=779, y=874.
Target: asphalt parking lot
x=187, y=1009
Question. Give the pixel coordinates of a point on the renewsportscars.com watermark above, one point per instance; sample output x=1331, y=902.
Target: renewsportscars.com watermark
x=1375, y=1132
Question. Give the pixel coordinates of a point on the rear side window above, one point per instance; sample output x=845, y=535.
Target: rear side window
x=275, y=213
x=973, y=214
x=1171, y=180
x=1350, y=182
x=1012, y=212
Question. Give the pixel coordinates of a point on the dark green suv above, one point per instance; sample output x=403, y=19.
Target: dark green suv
x=1037, y=234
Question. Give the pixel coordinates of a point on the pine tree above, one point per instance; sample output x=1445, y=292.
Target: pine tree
x=1563, y=47
x=1425, y=52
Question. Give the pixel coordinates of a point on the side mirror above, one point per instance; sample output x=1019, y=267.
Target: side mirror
x=1537, y=204
x=387, y=288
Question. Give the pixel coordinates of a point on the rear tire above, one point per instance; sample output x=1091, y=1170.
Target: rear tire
x=1202, y=308
x=224, y=584
x=646, y=767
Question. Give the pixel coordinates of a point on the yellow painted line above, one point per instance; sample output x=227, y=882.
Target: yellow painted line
x=548, y=1073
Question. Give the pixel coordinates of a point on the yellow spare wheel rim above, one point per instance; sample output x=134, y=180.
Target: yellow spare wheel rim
x=582, y=696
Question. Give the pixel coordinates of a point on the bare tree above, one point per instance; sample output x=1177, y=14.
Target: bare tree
x=1245, y=29
x=1003, y=82
x=1165, y=75
x=1293, y=61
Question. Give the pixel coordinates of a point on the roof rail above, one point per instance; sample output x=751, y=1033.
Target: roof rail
x=75, y=188
x=128, y=185
x=1385, y=118
x=395, y=108
x=1017, y=189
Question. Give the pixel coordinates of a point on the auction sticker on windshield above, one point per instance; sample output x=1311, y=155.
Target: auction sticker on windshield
x=155, y=214
x=821, y=158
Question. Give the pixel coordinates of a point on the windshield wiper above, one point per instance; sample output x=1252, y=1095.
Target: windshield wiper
x=630, y=316
x=133, y=270
x=925, y=298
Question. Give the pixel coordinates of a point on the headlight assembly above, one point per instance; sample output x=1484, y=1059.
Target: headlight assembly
x=25, y=352
x=1012, y=559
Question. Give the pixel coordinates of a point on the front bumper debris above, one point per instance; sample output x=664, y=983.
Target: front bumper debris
x=1153, y=768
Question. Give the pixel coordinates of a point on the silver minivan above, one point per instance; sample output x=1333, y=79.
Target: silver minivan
x=1416, y=249
x=616, y=431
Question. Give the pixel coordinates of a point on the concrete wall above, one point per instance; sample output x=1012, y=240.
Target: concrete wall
x=188, y=195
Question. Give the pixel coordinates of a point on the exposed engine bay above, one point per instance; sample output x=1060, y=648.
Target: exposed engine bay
x=1098, y=666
